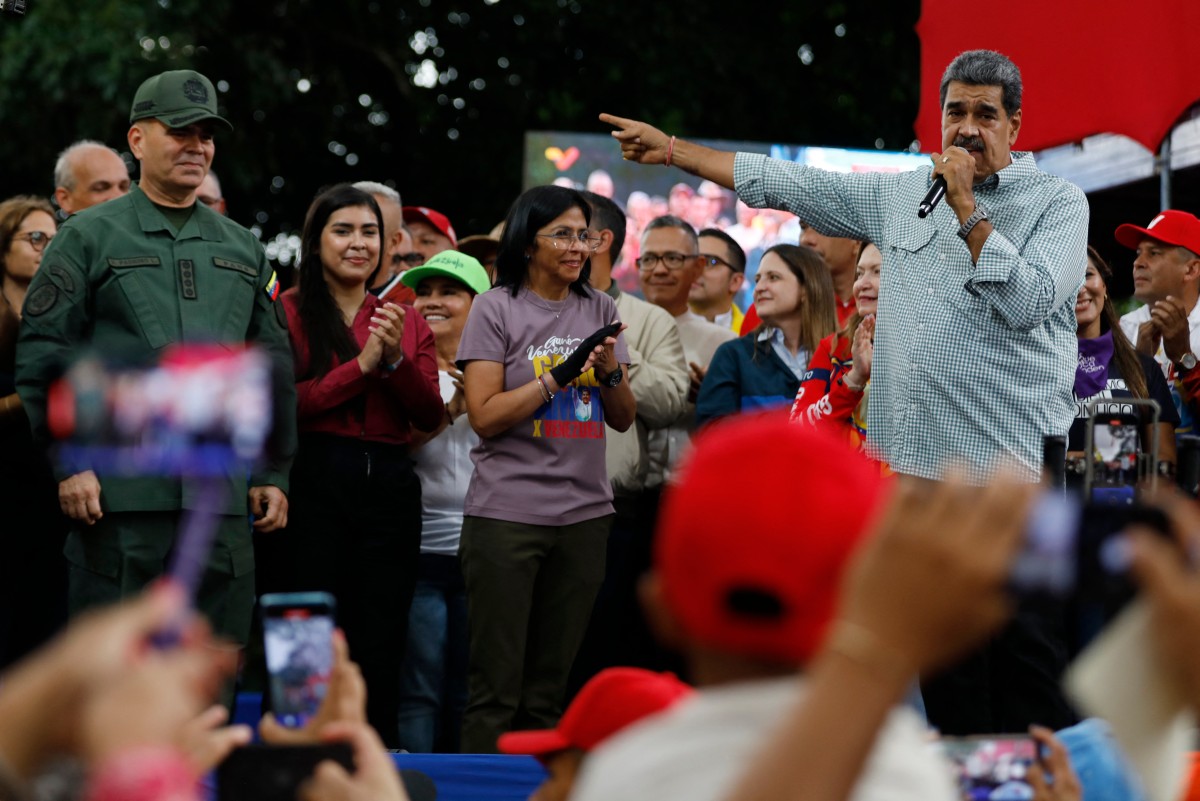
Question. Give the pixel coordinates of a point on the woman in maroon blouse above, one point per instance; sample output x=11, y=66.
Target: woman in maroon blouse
x=366, y=374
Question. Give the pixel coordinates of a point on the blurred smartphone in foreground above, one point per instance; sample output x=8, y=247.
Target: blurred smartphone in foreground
x=298, y=641
x=991, y=767
x=274, y=772
x=1078, y=554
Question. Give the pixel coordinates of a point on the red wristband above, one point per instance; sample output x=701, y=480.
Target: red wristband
x=670, y=151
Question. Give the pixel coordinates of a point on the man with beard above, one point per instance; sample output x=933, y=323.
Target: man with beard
x=975, y=355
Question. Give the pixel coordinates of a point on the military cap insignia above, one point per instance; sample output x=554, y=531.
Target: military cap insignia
x=194, y=91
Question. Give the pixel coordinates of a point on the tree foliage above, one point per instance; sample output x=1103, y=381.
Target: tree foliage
x=436, y=95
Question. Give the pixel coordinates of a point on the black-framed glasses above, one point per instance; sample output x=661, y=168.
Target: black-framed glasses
x=672, y=260
x=36, y=239
x=714, y=261
x=563, y=240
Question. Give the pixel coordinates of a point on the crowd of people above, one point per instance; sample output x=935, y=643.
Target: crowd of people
x=746, y=485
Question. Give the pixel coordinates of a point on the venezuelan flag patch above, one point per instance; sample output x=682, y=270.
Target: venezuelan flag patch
x=272, y=287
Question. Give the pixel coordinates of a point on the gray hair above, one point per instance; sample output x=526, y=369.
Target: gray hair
x=671, y=221
x=985, y=68
x=215, y=180
x=64, y=174
x=376, y=188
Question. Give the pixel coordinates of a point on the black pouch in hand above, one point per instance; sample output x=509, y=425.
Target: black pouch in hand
x=571, y=367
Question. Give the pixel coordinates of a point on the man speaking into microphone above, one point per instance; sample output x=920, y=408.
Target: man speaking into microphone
x=975, y=349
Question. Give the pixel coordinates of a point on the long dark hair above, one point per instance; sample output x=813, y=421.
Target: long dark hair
x=1123, y=353
x=324, y=327
x=529, y=212
x=818, y=318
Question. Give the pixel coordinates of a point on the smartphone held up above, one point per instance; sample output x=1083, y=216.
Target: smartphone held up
x=298, y=642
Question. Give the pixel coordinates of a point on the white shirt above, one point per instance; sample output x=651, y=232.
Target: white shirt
x=1130, y=323
x=444, y=466
x=699, y=749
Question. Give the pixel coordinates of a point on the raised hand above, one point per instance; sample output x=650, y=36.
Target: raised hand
x=639, y=141
x=862, y=350
x=388, y=324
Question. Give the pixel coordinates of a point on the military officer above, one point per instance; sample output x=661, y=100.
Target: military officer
x=131, y=277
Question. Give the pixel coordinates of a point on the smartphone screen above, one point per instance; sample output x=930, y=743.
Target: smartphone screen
x=298, y=640
x=1117, y=464
x=992, y=767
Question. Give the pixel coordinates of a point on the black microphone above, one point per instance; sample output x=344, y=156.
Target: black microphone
x=932, y=197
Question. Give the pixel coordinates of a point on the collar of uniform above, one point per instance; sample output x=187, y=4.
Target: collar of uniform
x=1023, y=165
x=613, y=290
x=150, y=219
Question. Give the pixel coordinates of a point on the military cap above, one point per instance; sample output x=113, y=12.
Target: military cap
x=177, y=98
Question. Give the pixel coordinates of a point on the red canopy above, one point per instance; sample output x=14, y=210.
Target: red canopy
x=1089, y=66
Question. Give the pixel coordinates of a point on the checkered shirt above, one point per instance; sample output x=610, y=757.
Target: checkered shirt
x=974, y=363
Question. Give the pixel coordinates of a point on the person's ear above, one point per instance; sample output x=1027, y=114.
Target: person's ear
x=1191, y=268
x=662, y=623
x=136, y=138
x=606, y=241
x=62, y=197
x=1014, y=127
x=736, y=281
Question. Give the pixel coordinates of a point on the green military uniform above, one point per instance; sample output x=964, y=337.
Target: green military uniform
x=119, y=278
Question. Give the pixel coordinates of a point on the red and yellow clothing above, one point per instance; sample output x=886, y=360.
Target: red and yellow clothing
x=824, y=398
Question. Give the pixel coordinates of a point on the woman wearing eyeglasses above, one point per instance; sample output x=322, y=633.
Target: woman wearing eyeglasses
x=26, y=227
x=539, y=505
x=32, y=571
x=793, y=294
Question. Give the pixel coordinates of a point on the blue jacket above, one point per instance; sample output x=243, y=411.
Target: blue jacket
x=744, y=375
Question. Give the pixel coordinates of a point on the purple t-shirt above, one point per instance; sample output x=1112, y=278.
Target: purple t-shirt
x=548, y=469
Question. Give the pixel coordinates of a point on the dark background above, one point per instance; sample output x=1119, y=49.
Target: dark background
x=843, y=74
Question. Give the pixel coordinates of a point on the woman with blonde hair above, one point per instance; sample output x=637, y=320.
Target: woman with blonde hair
x=835, y=389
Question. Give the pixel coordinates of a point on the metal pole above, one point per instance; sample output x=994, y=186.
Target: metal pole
x=1164, y=174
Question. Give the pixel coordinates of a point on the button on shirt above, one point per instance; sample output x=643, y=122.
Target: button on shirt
x=974, y=362
x=797, y=363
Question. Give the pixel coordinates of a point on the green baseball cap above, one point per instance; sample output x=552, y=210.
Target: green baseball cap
x=451, y=264
x=176, y=98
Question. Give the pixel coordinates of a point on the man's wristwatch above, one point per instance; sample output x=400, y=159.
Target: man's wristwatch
x=1187, y=361
x=977, y=216
x=612, y=379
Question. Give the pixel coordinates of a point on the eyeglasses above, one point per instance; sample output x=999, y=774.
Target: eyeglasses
x=713, y=261
x=564, y=240
x=36, y=239
x=673, y=260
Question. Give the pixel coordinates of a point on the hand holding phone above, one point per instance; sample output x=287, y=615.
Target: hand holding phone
x=298, y=638
x=992, y=766
x=345, y=702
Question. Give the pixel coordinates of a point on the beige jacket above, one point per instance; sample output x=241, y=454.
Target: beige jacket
x=658, y=377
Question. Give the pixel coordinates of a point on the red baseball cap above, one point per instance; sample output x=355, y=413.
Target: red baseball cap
x=750, y=561
x=613, y=699
x=435, y=218
x=1173, y=227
